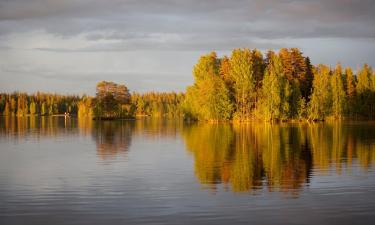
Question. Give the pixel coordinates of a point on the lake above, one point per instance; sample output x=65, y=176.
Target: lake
x=56, y=170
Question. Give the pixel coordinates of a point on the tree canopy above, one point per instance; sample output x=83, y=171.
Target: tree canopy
x=246, y=85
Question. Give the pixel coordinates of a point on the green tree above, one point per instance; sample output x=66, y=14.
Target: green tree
x=43, y=110
x=321, y=98
x=7, y=110
x=112, y=100
x=350, y=91
x=338, y=93
x=208, y=98
x=242, y=74
x=276, y=91
x=364, y=79
x=32, y=108
x=364, y=92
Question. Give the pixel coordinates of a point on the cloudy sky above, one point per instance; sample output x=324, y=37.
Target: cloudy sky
x=68, y=46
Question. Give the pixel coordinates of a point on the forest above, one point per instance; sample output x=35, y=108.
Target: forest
x=110, y=102
x=281, y=86
x=247, y=85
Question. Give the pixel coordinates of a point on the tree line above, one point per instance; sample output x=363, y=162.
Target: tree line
x=115, y=101
x=22, y=104
x=279, y=86
x=111, y=101
x=247, y=85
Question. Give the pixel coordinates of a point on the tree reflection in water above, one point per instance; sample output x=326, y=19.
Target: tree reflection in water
x=247, y=157
x=112, y=137
x=242, y=157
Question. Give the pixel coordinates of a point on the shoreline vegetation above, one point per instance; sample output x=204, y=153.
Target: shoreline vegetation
x=245, y=86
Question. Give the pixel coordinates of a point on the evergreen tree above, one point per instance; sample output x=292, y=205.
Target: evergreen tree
x=307, y=88
x=258, y=66
x=364, y=92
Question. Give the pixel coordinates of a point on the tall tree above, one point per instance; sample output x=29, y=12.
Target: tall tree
x=208, y=98
x=241, y=71
x=276, y=91
x=321, y=98
x=350, y=90
x=364, y=91
x=7, y=111
x=32, y=108
x=338, y=93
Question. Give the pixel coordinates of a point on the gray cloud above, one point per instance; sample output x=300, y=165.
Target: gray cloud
x=258, y=18
x=43, y=36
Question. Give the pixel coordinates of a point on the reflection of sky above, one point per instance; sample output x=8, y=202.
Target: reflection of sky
x=155, y=182
x=68, y=46
x=61, y=179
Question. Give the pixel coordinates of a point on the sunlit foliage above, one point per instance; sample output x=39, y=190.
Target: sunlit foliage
x=280, y=157
x=280, y=86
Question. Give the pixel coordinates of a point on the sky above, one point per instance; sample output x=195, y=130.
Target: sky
x=68, y=46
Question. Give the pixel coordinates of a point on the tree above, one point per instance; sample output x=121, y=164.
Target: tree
x=307, y=88
x=111, y=100
x=85, y=107
x=350, y=91
x=364, y=79
x=364, y=92
x=242, y=74
x=208, y=98
x=297, y=68
x=276, y=91
x=338, y=93
x=43, y=110
x=7, y=111
x=258, y=66
x=32, y=108
x=321, y=98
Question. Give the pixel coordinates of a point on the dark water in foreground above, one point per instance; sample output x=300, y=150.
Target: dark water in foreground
x=68, y=171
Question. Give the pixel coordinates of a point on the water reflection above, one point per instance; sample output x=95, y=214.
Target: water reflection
x=112, y=137
x=244, y=158
x=277, y=157
x=18, y=128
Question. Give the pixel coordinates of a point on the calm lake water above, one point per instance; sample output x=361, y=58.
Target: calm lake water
x=67, y=171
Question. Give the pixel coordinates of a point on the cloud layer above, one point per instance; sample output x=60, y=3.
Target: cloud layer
x=51, y=29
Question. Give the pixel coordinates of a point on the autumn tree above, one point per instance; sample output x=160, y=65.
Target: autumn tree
x=351, y=92
x=32, y=108
x=276, y=91
x=338, y=93
x=321, y=98
x=365, y=94
x=208, y=98
x=112, y=100
x=242, y=74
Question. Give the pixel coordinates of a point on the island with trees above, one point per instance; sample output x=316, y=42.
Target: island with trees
x=245, y=86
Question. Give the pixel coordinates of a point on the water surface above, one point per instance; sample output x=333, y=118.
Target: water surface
x=56, y=170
